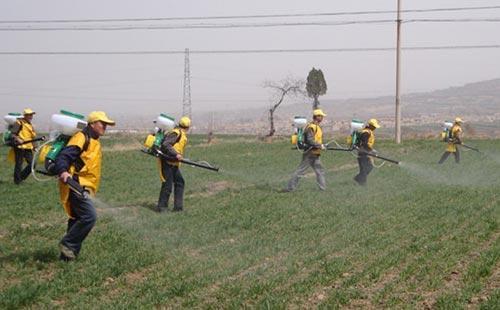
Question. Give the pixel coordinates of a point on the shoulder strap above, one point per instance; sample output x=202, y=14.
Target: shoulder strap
x=179, y=136
x=178, y=132
x=87, y=141
x=79, y=164
x=20, y=123
x=313, y=126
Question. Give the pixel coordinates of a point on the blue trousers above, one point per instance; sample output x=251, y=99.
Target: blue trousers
x=365, y=167
x=20, y=173
x=79, y=227
x=173, y=178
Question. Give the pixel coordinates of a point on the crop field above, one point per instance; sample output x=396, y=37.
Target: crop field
x=420, y=235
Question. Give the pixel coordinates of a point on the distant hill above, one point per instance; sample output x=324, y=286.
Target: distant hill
x=478, y=103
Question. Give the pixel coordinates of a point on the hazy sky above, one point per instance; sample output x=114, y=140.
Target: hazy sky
x=145, y=84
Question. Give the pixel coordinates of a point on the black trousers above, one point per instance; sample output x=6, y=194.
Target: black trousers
x=446, y=154
x=365, y=167
x=173, y=178
x=20, y=173
x=79, y=227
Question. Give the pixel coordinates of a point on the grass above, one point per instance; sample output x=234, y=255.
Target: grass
x=420, y=235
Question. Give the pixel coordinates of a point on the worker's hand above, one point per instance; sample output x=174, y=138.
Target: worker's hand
x=362, y=151
x=374, y=151
x=178, y=156
x=323, y=147
x=18, y=140
x=64, y=176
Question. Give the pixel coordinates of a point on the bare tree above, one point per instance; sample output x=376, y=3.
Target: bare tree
x=288, y=87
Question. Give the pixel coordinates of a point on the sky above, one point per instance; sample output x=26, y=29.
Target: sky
x=138, y=85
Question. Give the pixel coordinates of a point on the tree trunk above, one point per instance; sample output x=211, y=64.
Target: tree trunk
x=315, y=103
x=271, y=121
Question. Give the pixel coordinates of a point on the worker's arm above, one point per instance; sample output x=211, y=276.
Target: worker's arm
x=458, y=137
x=16, y=128
x=309, y=139
x=65, y=159
x=167, y=145
x=365, y=136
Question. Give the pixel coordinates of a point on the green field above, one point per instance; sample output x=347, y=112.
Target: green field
x=419, y=235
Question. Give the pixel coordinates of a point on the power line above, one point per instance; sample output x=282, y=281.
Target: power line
x=196, y=26
x=451, y=20
x=246, y=25
x=256, y=51
x=449, y=9
x=242, y=25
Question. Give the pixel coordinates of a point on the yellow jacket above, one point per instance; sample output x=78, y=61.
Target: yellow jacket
x=318, y=136
x=371, y=138
x=89, y=175
x=176, y=147
x=456, y=136
x=26, y=133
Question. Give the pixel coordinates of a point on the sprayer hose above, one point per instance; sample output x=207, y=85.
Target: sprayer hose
x=35, y=159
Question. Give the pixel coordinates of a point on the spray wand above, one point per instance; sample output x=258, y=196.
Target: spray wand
x=469, y=147
x=14, y=143
x=379, y=157
x=42, y=138
x=186, y=161
x=371, y=154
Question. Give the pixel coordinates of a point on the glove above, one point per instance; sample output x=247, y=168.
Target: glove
x=323, y=147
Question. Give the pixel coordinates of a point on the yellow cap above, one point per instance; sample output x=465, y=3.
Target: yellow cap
x=96, y=116
x=318, y=112
x=458, y=120
x=373, y=122
x=28, y=111
x=185, y=122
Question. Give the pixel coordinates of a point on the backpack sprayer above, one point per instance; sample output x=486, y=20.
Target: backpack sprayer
x=7, y=137
x=299, y=124
x=63, y=126
x=152, y=143
x=354, y=141
x=446, y=135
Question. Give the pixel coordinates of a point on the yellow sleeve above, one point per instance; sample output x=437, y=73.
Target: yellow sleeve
x=78, y=139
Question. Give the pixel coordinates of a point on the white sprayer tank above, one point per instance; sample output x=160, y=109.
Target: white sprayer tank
x=165, y=122
x=299, y=121
x=356, y=125
x=447, y=124
x=11, y=118
x=67, y=124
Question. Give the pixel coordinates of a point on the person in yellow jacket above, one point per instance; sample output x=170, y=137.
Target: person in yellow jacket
x=81, y=161
x=23, y=131
x=454, y=138
x=313, y=139
x=173, y=146
x=366, y=143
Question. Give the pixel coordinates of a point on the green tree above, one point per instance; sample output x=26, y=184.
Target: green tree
x=316, y=85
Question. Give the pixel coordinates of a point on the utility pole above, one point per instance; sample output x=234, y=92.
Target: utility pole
x=398, y=75
x=211, y=129
x=186, y=98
